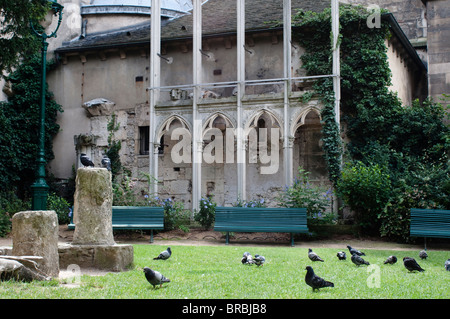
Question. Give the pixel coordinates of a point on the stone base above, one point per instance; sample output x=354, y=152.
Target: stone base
x=103, y=257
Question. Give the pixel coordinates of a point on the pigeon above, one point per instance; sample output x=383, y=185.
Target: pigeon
x=411, y=264
x=259, y=260
x=391, y=260
x=86, y=161
x=357, y=260
x=106, y=162
x=164, y=254
x=155, y=277
x=355, y=251
x=423, y=254
x=341, y=255
x=315, y=281
x=447, y=265
x=313, y=256
x=247, y=258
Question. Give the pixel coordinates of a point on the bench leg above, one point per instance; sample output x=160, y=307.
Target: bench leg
x=425, y=242
x=227, y=238
x=151, y=235
x=292, y=239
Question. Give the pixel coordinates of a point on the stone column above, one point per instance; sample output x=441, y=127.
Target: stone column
x=93, y=207
x=35, y=233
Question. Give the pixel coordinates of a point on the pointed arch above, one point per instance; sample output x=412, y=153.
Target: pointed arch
x=212, y=119
x=164, y=127
x=300, y=119
x=266, y=115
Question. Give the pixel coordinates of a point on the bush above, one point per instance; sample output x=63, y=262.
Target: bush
x=251, y=203
x=60, y=206
x=175, y=215
x=9, y=205
x=302, y=193
x=207, y=213
x=366, y=190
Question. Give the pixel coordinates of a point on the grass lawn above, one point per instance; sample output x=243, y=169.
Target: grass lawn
x=216, y=272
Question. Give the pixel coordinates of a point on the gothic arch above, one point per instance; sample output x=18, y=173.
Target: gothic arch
x=263, y=114
x=212, y=119
x=300, y=119
x=165, y=126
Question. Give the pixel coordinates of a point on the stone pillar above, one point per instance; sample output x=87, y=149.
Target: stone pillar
x=35, y=233
x=93, y=207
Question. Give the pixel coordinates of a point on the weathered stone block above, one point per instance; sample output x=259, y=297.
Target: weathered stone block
x=93, y=207
x=35, y=233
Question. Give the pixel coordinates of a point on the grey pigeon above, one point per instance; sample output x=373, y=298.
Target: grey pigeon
x=315, y=281
x=106, y=162
x=247, y=259
x=164, y=254
x=259, y=260
x=86, y=161
x=313, y=256
x=411, y=264
x=341, y=255
x=447, y=265
x=358, y=261
x=391, y=260
x=355, y=251
x=423, y=254
x=155, y=277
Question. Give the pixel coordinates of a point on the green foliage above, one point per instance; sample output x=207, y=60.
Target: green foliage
x=302, y=194
x=366, y=189
x=19, y=119
x=114, y=146
x=9, y=205
x=175, y=215
x=207, y=212
x=60, y=206
x=16, y=38
x=250, y=203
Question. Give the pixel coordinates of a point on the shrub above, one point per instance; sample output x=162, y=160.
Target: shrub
x=366, y=189
x=175, y=215
x=60, y=206
x=9, y=205
x=251, y=203
x=207, y=213
x=302, y=193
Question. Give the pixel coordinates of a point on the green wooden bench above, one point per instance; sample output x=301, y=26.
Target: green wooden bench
x=135, y=217
x=274, y=220
x=429, y=223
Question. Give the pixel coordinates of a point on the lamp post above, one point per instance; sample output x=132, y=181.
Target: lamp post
x=40, y=188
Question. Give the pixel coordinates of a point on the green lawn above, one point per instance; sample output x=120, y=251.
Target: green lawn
x=215, y=272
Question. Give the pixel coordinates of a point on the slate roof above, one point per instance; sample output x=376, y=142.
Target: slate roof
x=218, y=18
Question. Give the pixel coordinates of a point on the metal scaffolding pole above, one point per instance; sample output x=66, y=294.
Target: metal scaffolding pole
x=155, y=83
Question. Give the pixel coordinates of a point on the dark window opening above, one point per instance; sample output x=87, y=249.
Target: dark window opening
x=144, y=140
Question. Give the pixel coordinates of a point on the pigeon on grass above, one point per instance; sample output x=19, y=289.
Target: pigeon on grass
x=155, y=277
x=423, y=254
x=358, y=260
x=355, y=251
x=247, y=259
x=313, y=256
x=411, y=264
x=259, y=260
x=86, y=161
x=315, y=281
x=391, y=260
x=341, y=255
x=447, y=264
x=164, y=254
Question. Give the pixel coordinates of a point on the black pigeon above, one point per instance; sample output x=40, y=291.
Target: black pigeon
x=315, y=281
x=358, y=261
x=247, y=258
x=411, y=264
x=86, y=161
x=391, y=260
x=259, y=260
x=341, y=255
x=423, y=254
x=164, y=254
x=106, y=162
x=355, y=251
x=313, y=256
x=447, y=265
x=155, y=277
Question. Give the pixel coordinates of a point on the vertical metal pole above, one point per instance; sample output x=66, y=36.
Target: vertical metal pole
x=40, y=187
x=197, y=141
x=336, y=57
x=287, y=145
x=155, y=80
x=240, y=134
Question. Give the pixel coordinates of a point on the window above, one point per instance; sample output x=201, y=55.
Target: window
x=144, y=140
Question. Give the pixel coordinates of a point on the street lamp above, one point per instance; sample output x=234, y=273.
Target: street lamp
x=40, y=188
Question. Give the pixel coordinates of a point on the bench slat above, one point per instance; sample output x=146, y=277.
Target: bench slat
x=430, y=223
